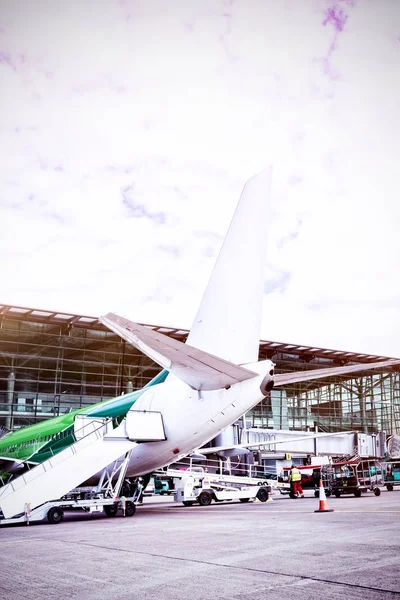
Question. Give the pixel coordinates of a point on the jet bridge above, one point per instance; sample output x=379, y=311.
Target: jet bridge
x=276, y=441
x=98, y=445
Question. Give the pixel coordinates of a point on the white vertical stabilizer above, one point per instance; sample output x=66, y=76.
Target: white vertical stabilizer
x=228, y=321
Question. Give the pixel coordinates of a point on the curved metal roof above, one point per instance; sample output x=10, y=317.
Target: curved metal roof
x=268, y=348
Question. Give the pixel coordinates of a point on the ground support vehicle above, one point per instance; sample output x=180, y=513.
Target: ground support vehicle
x=113, y=493
x=356, y=476
x=310, y=476
x=275, y=482
x=203, y=488
x=54, y=510
x=159, y=484
x=392, y=475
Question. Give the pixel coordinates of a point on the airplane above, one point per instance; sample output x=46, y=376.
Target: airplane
x=207, y=383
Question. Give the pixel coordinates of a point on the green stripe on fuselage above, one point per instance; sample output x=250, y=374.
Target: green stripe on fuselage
x=36, y=443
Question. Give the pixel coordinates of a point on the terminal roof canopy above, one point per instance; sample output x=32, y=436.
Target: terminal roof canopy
x=267, y=348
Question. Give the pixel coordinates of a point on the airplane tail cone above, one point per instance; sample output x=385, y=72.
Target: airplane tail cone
x=323, y=504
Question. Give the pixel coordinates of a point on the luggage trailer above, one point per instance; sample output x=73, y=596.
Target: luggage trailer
x=356, y=476
x=392, y=475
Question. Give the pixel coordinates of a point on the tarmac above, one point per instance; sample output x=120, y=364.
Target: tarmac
x=236, y=551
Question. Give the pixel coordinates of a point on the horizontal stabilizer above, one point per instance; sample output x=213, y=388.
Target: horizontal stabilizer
x=198, y=369
x=297, y=376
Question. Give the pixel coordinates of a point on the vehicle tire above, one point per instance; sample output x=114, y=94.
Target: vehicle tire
x=130, y=509
x=244, y=499
x=357, y=493
x=328, y=493
x=316, y=493
x=55, y=515
x=187, y=503
x=377, y=491
x=292, y=495
x=205, y=499
x=111, y=509
x=389, y=487
x=337, y=493
x=262, y=495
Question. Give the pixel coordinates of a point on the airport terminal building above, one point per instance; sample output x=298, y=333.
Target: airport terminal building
x=52, y=363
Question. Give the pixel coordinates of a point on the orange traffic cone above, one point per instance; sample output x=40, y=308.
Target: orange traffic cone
x=323, y=504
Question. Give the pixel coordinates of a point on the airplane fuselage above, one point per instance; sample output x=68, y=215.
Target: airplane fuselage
x=192, y=418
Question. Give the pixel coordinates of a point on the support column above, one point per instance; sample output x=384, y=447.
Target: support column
x=10, y=397
x=279, y=409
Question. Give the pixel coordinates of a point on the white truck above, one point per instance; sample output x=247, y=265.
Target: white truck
x=203, y=488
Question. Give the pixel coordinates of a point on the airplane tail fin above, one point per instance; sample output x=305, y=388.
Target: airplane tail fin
x=228, y=321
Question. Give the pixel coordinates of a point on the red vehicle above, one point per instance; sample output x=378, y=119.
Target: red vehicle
x=310, y=476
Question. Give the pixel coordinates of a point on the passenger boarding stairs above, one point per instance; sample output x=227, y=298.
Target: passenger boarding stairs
x=99, y=445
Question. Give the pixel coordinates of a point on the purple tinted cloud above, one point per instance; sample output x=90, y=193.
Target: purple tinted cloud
x=174, y=251
x=139, y=211
x=335, y=16
x=158, y=296
x=209, y=235
x=278, y=283
x=209, y=252
x=294, y=180
x=6, y=59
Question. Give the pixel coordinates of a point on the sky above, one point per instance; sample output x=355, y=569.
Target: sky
x=129, y=127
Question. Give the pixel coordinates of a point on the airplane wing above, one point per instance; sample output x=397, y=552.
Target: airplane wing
x=297, y=376
x=198, y=369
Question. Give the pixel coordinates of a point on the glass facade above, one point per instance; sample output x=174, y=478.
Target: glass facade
x=366, y=403
x=52, y=363
x=49, y=368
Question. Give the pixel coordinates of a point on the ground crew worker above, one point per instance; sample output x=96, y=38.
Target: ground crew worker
x=295, y=480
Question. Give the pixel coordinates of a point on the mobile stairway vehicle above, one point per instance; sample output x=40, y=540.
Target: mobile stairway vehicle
x=46, y=490
x=108, y=497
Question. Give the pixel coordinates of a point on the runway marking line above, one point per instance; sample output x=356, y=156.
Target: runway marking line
x=197, y=510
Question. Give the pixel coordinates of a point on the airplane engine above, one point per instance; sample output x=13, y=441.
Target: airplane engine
x=267, y=383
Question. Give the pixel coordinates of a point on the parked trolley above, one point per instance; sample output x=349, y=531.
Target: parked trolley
x=354, y=476
x=392, y=475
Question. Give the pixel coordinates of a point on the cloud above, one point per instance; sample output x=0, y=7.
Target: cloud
x=128, y=133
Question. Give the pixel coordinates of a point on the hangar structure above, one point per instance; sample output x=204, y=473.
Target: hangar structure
x=54, y=362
